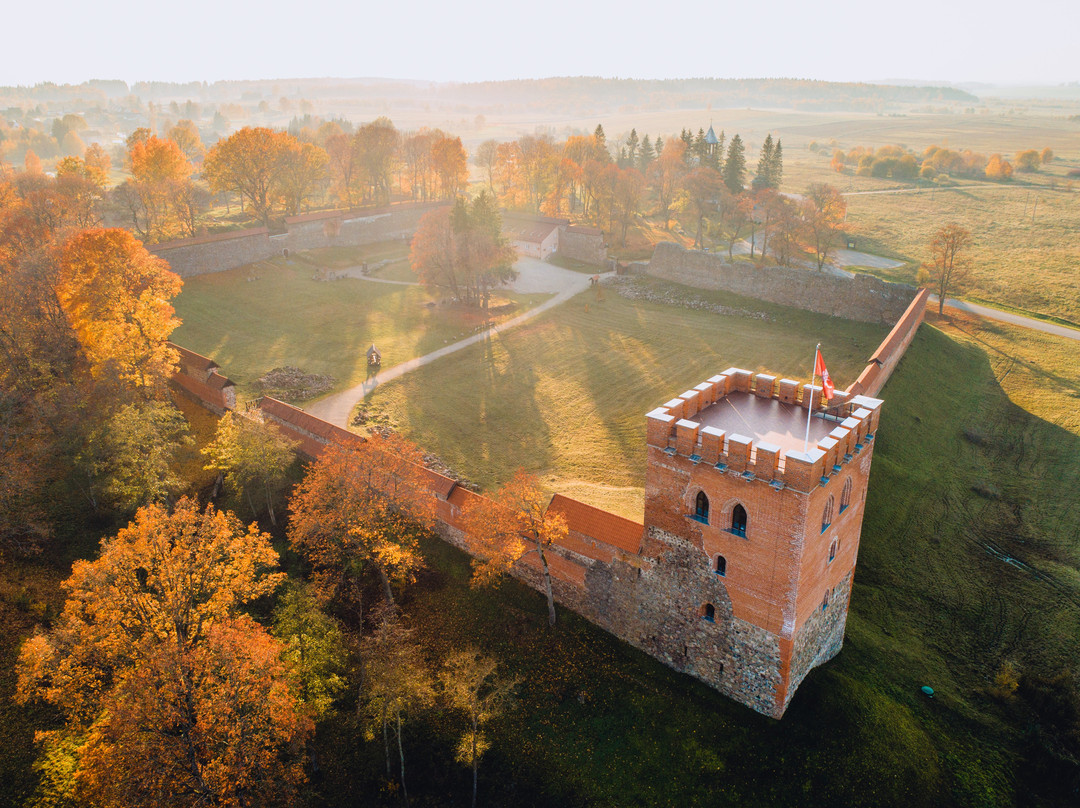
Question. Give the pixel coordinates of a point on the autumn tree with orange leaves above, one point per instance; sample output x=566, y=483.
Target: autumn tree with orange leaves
x=450, y=164
x=362, y=508
x=177, y=696
x=116, y=296
x=159, y=172
x=666, y=174
x=508, y=526
x=949, y=264
x=252, y=162
x=84, y=315
x=824, y=211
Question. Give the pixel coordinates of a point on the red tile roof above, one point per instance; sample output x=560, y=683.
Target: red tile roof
x=298, y=419
x=439, y=484
x=601, y=526
x=193, y=359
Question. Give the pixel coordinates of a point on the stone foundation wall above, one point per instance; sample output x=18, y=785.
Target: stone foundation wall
x=820, y=638
x=656, y=603
x=863, y=298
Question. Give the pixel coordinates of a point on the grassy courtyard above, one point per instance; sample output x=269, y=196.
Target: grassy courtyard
x=565, y=395
x=286, y=317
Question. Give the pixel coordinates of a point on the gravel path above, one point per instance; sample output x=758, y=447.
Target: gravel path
x=1009, y=317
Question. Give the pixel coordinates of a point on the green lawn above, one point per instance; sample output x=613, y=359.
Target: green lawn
x=565, y=395
x=288, y=318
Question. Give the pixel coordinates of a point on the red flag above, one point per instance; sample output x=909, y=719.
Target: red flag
x=823, y=372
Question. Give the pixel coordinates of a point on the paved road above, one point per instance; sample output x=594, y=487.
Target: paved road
x=836, y=263
x=932, y=190
x=1008, y=317
x=534, y=276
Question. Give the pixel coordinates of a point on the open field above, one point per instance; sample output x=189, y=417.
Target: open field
x=975, y=461
x=1029, y=265
x=287, y=318
x=565, y=396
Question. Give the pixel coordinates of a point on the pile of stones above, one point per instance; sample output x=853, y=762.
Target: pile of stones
x=640, y=289
x=292, y=384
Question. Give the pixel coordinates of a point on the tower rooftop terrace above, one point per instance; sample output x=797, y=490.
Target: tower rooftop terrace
x=766, y=420
x=755, y=425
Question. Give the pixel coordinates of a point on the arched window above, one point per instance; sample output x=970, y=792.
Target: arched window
x=721, y=565
x=701, y=508
x=709, y=613
x=845, y=495
x=738, y=521
x=833, y=548
x=825, y=601
x=826, y=515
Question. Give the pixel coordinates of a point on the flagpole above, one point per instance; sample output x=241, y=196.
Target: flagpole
x=810, y=404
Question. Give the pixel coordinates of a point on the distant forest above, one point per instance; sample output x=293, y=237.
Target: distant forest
x=585, y=94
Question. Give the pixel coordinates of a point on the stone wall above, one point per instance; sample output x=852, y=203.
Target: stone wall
x=821, y=636
x=337, y=228
x=863, y=298
x=585, y=244
x=198, y=256
x=656, y=601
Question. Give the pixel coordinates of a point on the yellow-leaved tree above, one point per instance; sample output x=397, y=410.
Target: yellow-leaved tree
x=360, y=507
x=175, y=695
x=510, y=525
x=116, y=296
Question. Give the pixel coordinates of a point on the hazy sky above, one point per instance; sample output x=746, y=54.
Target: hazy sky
x=945, y=40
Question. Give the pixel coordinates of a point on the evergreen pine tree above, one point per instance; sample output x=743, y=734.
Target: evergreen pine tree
x=659, y=146
x=718, y=153
x=599, y=136
x=632, y=147
x=646, y=154
x=735, y=166
x=776, y=169
x=701, y=150
x=687, y=137
x=763, y=178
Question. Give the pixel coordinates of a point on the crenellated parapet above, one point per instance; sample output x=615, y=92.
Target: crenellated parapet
x=840, y=428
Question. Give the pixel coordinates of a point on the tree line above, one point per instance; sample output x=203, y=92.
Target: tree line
x=935, y=163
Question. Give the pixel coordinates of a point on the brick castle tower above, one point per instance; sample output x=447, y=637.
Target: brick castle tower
x=751, y=536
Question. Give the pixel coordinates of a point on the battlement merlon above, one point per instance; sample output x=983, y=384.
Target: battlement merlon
x=709, y=424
